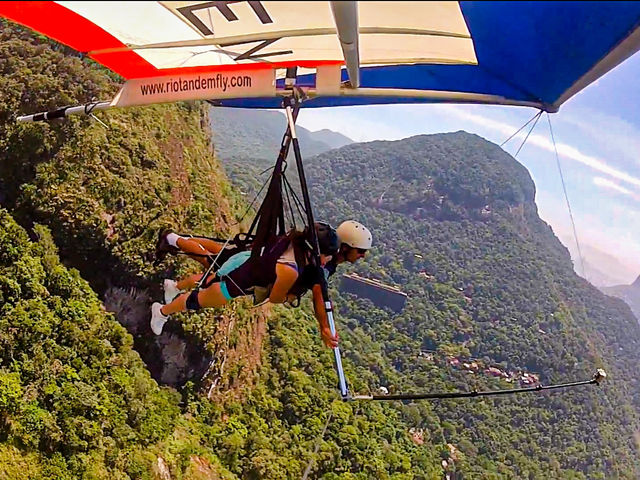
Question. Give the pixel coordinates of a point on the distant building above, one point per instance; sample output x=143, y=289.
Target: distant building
x=380, y=294
x=494, y=372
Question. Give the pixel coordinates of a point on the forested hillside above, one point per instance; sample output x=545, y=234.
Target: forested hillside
x=256, y=134
x=95, y=197
x=86, y=391
x=75, y=398
x=456, y=226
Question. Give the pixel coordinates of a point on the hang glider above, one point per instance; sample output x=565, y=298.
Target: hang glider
x=536, y=54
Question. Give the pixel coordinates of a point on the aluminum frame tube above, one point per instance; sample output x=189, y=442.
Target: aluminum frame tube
x=63, y=112
x=344, y=391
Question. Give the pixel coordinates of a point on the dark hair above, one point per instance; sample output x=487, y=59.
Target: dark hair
x=327, y=241
x=327, y=238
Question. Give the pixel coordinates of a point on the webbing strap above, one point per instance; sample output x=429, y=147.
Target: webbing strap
x=269, y=222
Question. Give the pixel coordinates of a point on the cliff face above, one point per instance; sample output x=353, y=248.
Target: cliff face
x=104, y=192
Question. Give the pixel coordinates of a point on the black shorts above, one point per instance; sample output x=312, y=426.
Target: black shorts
x=238, y=282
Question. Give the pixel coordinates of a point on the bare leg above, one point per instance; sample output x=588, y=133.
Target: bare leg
x=196, y=250
x=210, y=245
x=209, y=297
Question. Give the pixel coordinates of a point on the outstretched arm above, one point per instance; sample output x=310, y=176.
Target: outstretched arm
x=328, y=338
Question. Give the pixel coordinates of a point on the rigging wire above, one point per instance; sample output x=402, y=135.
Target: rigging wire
x=520, y=129
x=537, y=117
x=566, y=197
x=290, y=210
x=316, y=447
x=257, y=195
x=564, y=187
x=299, y=206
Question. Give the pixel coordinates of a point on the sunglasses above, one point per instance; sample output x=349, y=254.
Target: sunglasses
x=361, y=251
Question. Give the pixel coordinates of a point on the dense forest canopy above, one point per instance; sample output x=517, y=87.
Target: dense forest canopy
x=87, y=392
x=492, y=281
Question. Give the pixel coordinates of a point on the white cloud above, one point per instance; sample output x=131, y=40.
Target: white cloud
x=481, y=120
x=540, y=141
x=608, y=132
x=608, y=184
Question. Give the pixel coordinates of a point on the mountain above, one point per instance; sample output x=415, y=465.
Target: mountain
x=455, y=224
x=258, y=134
x=629, y=293
x=331, y=138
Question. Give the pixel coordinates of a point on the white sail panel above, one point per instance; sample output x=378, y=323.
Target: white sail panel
x=137, y=23
x=281, y=31
x=397, y=49
x=445, y=17
x=238, y=19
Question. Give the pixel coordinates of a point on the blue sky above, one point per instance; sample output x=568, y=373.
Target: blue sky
x=598, y=137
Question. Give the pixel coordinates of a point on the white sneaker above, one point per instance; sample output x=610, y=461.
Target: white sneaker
x=171, y=290
x=157, y=318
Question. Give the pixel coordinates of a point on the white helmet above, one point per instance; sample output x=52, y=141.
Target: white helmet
x=354, y=234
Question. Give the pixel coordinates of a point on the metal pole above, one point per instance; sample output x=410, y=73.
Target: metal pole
x=63, y=112
x=597, y=378
x=290, y=102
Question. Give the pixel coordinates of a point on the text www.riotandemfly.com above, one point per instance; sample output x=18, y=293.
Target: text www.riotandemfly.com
x=218, y=82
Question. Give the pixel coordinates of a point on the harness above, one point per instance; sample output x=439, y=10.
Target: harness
x=260, y=271
x=265, y=235
x=308, y=277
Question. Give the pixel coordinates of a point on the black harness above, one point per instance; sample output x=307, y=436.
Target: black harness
x=267, y=239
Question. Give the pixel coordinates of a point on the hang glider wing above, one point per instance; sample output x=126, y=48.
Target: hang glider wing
x=516, y=53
